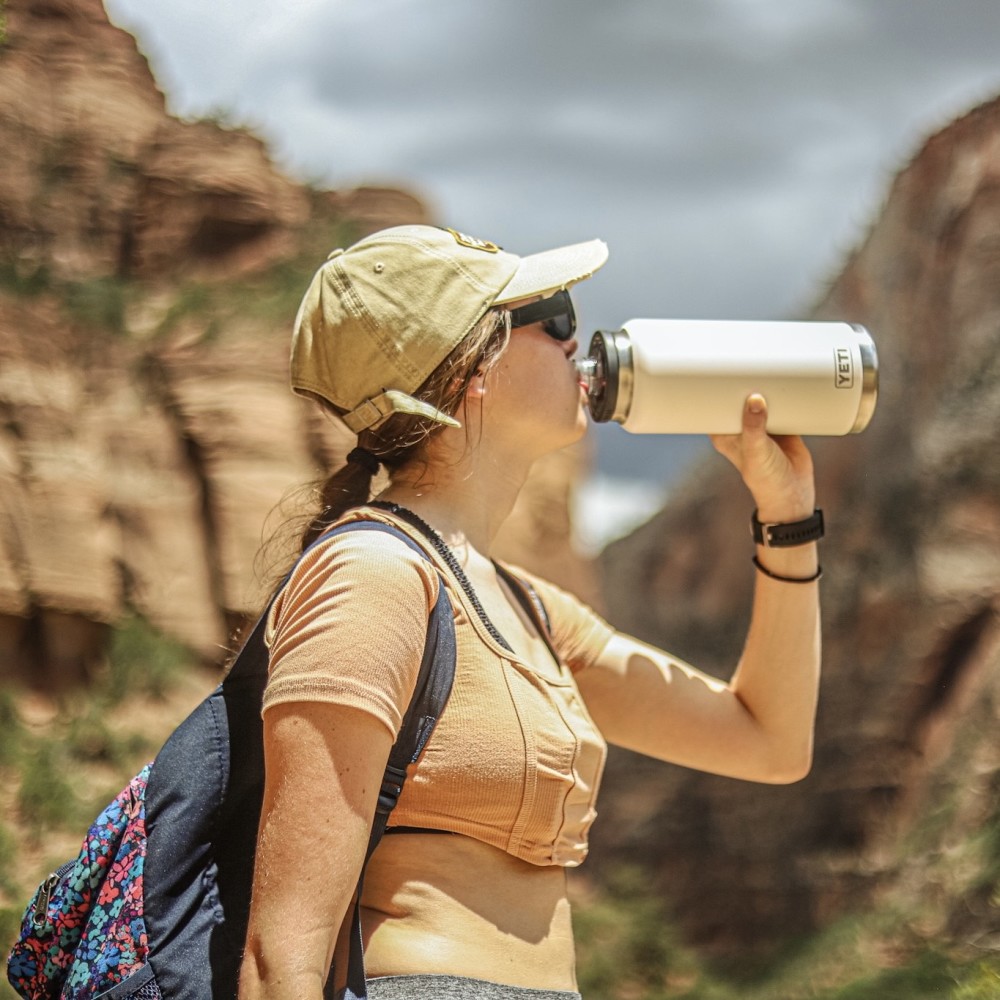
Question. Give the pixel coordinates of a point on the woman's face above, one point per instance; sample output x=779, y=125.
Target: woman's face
x=534, y=393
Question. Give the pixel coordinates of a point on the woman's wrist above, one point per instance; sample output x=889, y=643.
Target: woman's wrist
x=783, y=578
x=797, y=565
x=785, y=511
x=786, y=549
x=787, y=534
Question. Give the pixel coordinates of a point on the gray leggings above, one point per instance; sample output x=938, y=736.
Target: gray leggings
x=455, y=988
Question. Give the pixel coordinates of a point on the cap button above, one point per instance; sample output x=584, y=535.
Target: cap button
x=335, y=253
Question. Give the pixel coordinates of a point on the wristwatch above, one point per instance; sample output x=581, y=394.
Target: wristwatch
x=780, y=535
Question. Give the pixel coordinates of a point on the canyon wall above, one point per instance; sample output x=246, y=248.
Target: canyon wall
x=149, y=272
x=911, y=592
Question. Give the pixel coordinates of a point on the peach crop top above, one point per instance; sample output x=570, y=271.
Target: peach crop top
x=515, y=760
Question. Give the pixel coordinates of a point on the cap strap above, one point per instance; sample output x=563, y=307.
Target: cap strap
x=373, y=411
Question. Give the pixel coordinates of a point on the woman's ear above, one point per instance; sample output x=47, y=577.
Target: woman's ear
x=477, y=385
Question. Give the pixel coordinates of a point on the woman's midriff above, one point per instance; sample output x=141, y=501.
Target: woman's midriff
x=447, y=904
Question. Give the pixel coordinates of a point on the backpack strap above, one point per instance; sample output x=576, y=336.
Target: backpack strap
x=430, y=694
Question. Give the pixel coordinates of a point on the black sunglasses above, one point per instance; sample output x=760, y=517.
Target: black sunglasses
x=555, y=313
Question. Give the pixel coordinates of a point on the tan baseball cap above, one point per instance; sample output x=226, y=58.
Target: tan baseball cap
x=381, y=315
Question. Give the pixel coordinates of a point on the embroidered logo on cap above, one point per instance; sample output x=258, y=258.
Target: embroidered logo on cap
x=472, y=243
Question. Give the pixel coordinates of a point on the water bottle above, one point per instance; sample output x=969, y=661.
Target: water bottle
x=664, y=376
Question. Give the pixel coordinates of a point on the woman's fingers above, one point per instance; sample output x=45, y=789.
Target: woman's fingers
x=776, y=469
x=753, y=436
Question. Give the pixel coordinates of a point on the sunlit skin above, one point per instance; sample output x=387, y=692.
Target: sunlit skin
x=451, y=904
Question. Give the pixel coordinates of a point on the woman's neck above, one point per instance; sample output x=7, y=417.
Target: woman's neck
x=466, y=500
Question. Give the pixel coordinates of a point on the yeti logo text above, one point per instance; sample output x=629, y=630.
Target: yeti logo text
x=843, y=367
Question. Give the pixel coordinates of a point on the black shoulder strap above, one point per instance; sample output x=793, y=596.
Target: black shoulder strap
x=430, y=694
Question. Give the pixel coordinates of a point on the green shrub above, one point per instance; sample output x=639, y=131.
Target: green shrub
x=191, y=299
x=90, y=739
x=98, y=303
x=25, y=279
x=627, y=947
x=927, y=974
x=981, y=982
x=142, y=661
x=8, y=861
x=12, y=734
x=45, y=799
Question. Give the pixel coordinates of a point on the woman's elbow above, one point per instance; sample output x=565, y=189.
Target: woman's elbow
x=788, y=768
x=270, y=971
x=252, y=971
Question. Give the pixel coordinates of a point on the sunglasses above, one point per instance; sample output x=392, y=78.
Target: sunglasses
x=555, y=313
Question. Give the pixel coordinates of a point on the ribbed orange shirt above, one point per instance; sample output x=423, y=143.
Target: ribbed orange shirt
x=515, y=760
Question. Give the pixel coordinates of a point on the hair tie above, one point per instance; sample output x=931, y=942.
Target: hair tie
x=368, y=460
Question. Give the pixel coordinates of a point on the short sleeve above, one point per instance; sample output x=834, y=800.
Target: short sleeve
x=578, y=633
x=350, y=625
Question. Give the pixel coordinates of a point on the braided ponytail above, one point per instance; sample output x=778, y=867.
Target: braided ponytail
x=350, y=486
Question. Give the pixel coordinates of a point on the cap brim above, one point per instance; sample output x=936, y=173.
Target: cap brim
x=544, y=273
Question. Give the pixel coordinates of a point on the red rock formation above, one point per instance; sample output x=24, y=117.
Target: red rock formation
x=374, y=208
x=149, y=270
x=99, y=180
x=911, y=591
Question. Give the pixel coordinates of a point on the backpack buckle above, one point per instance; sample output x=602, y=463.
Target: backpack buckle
x=392, y=786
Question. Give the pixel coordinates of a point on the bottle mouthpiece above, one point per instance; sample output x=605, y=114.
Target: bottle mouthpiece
x=586, y=369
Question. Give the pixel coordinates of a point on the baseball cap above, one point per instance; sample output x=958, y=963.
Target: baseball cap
x=381, y=315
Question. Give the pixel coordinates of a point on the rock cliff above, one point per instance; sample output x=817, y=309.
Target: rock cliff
x=149, y=270
x=911, y=592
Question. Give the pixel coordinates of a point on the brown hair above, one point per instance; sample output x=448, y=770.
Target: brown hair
x=400, y=439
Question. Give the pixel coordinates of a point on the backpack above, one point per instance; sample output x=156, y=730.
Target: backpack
x=156, y=905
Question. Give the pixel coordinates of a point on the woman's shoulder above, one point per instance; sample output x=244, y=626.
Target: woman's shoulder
x=378, y=527
x=364, y=560
x=350, y=623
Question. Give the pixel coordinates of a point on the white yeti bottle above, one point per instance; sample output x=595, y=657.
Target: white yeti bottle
x=660, y=376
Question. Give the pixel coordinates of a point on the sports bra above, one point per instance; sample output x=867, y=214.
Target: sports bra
x=515, y=760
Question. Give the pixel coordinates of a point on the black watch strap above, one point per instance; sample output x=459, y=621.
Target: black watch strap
x=785, y=534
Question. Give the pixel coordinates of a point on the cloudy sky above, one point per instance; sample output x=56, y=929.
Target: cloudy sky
x=730, y=151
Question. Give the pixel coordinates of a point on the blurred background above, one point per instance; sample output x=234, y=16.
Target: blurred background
x=172, y=174
x=730, y=152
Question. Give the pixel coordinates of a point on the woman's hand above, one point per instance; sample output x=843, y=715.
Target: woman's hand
x=777, y=469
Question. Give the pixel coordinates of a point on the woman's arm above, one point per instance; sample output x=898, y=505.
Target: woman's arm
x=758, y=726
x=319, y=799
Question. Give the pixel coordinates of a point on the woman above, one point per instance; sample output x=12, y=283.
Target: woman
x=451, y=360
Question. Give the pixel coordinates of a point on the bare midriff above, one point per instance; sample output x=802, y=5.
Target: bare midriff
x=448, y=904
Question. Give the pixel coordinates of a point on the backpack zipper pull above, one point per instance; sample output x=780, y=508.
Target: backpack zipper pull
x=40, y=916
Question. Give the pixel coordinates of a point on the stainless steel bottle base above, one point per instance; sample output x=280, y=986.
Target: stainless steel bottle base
x=869, y=380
